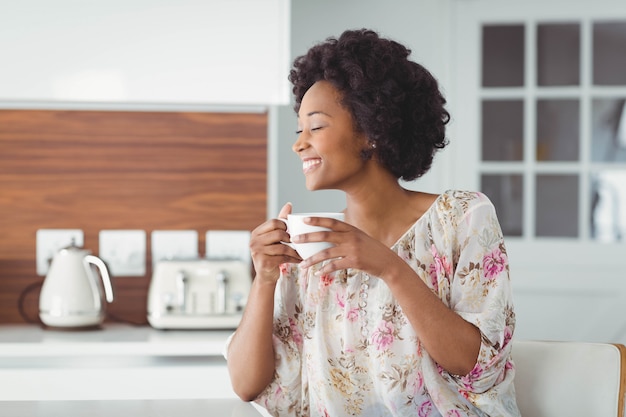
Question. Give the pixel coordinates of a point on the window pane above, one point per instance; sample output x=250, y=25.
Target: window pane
x=556, y=206
x=608, y=206
x=506, y=192
x=609, y=53
x=503, y=130
x=608, y=134
x=503, y=56
x=558, y=54
x=558, y=130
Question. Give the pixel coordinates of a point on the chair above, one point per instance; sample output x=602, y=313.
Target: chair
x=570, y=379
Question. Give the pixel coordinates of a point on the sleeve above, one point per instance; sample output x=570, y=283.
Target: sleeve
x=480, y=292
x=283, y=396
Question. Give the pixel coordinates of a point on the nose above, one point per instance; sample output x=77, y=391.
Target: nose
x=300, y=144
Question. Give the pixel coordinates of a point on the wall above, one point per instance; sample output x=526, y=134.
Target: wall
x=420, y=24
x=96, y=170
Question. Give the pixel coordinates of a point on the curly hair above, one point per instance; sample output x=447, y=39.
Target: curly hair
x=395, y=102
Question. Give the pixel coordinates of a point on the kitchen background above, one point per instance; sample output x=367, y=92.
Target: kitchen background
x=145, y=115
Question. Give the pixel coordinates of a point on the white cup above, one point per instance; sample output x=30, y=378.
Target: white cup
x=296, y=226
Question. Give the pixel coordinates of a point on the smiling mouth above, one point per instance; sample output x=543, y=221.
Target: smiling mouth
x=310, y=164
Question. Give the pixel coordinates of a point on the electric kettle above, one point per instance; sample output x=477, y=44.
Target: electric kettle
x=71, y=295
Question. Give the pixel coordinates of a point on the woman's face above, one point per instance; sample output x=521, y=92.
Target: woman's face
x=327, y=143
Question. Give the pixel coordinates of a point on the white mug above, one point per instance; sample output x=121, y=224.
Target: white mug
x=296, y=226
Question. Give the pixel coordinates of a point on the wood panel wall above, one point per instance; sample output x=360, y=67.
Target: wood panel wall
x=96, y=170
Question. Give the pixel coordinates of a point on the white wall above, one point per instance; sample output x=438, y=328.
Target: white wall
x=420, y=24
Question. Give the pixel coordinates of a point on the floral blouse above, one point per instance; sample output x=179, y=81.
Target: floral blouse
x=344, y=347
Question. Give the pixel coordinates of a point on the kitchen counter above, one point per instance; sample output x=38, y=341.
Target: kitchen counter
x=116, y=370
x=135, y=408
x=116, y=362
x=110, y=340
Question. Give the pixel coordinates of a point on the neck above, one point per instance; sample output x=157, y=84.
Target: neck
x=380, y=207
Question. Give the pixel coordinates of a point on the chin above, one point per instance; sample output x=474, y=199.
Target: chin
x=311, y=186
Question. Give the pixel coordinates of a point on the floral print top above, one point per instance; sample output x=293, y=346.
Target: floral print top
x=344, y=347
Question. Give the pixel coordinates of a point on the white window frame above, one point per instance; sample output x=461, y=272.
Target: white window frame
x=579, y=282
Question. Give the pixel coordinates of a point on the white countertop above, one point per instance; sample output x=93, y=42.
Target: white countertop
x=129, y=370
x=111, y=339
x=135, y=408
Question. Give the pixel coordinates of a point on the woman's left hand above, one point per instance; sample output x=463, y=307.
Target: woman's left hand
x=353, y=248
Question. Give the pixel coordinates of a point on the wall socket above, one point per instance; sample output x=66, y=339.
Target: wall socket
x=50, y=241
x=124, y=252
x=174, y=244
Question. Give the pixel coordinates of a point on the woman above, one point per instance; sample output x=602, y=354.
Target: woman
x=410, y=313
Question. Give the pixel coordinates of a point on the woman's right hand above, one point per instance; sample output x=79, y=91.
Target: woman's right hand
x=266, y=249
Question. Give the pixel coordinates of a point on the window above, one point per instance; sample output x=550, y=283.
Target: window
x=553, y=127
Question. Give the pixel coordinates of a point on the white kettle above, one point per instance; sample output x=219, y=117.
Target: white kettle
x=71, y=296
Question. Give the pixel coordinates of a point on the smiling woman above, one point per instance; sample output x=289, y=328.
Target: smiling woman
x=409, y=310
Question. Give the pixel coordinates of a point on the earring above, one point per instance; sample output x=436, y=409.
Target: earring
x=368, y=152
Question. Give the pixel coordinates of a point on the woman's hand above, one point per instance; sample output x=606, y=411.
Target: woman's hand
x=266, y=250
x=353, y=248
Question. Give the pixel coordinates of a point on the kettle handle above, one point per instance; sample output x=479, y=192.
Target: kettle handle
x=104, y=273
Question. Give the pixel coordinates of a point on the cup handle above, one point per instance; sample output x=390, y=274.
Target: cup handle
x=286, y=224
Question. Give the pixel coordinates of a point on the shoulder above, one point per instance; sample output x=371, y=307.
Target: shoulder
x=462, y=202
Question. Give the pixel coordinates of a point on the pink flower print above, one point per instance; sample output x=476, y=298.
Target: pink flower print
x=326, y=280
x=425, y=409
x=341, y=302
x=353, y=315
x=283, y=268
x=508, y=335
x=418, y=383
x=464, y=394
x=439, y=267
x=453, y=413
x=295, y=333
x=494, y=263
x=468, y=380
x=383, y=335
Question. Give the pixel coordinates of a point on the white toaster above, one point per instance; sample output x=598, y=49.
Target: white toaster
x=198, y=294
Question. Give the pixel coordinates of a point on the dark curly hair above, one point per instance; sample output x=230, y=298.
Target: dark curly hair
x=394, y=101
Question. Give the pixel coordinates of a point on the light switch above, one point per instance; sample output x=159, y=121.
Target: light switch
x=50, y=241
x=228, y=244
x=124, y=252
x=174, y=244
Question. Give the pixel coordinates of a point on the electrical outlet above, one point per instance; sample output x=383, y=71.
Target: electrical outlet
x=50, y=241
x=124, y=252
x=174, y=244
x=228, y=244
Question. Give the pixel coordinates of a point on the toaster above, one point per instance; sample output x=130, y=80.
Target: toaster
x=198, y=294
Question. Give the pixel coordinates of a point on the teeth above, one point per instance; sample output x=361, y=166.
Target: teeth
x=310, y=162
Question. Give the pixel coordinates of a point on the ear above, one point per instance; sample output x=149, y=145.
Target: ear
x=368, y=151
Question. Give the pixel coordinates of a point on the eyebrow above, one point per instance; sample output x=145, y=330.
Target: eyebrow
x=314, y=112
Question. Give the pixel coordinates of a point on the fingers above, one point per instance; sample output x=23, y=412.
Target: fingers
x=285, y=210
x=327, y=222
x=265, y=244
